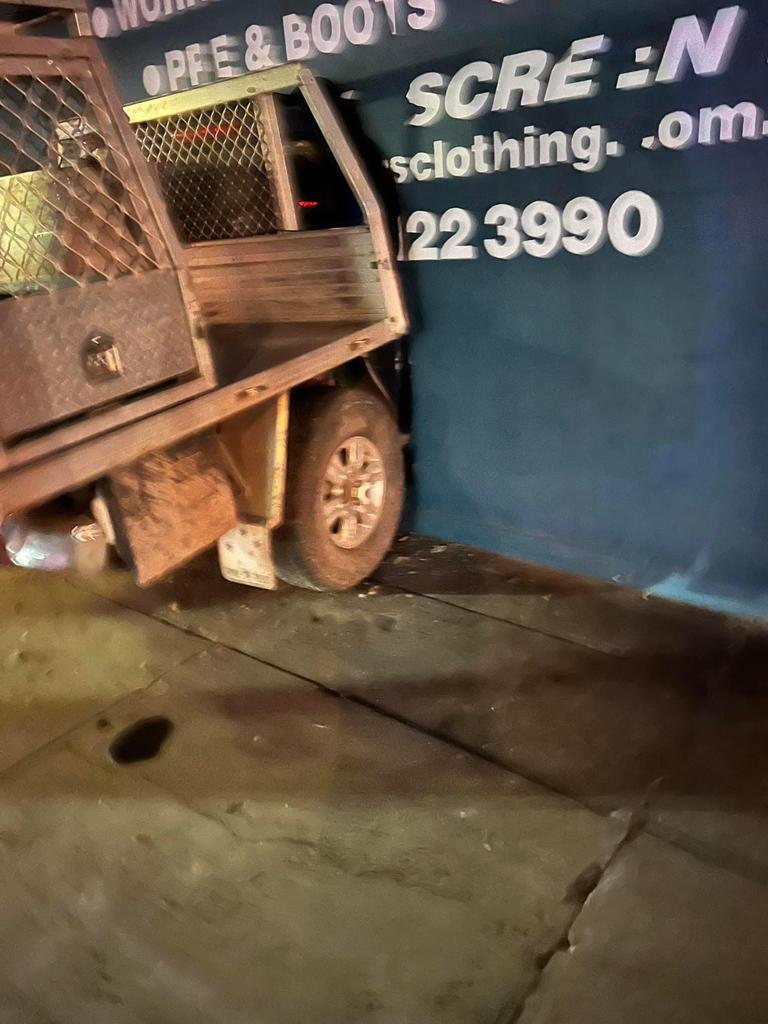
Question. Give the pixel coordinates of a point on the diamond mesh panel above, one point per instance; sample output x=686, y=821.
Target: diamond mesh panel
x=66, y=216
x=214, y=171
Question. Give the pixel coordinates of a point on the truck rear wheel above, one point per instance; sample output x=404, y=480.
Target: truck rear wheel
x=344, y=491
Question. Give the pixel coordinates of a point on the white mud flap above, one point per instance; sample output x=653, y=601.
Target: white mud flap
x=245, y=556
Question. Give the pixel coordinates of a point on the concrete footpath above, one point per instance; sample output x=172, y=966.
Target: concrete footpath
x=469, y=793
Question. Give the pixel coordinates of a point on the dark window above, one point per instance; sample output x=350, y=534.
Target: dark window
x=322, y=191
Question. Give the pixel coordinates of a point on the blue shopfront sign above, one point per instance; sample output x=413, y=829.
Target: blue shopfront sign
x=584, y=214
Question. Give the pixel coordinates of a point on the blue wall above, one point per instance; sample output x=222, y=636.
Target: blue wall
x=602, y=414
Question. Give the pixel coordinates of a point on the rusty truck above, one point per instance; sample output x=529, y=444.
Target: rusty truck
x=195, y=292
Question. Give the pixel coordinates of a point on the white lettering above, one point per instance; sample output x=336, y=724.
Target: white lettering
x=587, y=150
x=634, y=225
x=588, y=145
x=260, y=52
x=225, y=56
x=422, y=167
x=481, y=152
x=420, y=95
x=391, y=12
x=553, y=149
x=127, y=14
x=521, y=78
x=430, y=16
x=176, y=67
x=730, y=124
x=506, y=152
x=399, y=167
x=573, y=79
x=326, y=29
x=104, y=23
x=154, y=79
x=458, y=104
x=530, y=148
x=677, y=130
x=459, y=162
x=151, y=10
x=198, y=64
x=707, y=55
x=360, y=33
x=441, y=148
x=298, y=44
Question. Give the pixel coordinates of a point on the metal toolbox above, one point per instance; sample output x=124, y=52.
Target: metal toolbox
x=63, y=357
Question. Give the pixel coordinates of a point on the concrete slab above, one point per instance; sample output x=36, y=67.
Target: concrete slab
x=604, y=616
x=714, y=801
x=292, y=855
x=712, y=795
x=18, y=1010
x=599, y=727
x=65, y=654
x=664, y=939
x=288, y=856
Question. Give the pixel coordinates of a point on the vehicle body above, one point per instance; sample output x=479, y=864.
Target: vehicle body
x=187, y=299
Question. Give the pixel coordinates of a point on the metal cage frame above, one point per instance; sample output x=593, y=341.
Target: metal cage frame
x=260, y=86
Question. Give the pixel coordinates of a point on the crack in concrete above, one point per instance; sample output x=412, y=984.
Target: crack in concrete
x=354, y=698
x=558, y=637
x=700, y=853
x=324, y=852
x=579, y=893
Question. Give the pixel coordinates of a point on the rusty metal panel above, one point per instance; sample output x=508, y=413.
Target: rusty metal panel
x=72, y=350
x=172, y=505
x=317, y=276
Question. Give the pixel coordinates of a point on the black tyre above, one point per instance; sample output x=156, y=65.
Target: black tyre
x=344, y=491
